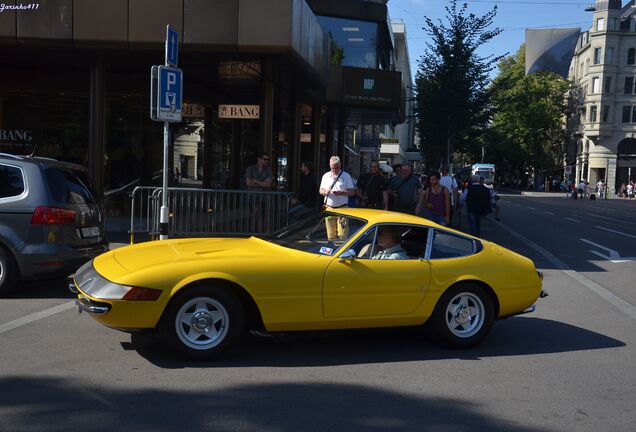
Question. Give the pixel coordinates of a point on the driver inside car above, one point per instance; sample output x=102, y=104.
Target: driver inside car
x=389, y=240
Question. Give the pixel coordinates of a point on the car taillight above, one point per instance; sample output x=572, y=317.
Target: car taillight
x=142, y=294
x=52, y=216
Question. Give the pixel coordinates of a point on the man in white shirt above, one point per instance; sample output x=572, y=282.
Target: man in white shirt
x=450, y=183
x=336, y=187
x=600, y=189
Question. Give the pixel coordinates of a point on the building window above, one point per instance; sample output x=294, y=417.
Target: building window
x=613, y=24
x=597, y=56
x=631, y=56
x=608, y=84
x=634, y=114
x=629, y=85
x=583, y=114
x=353, y=43
x=627, y=112
x=605, y=113
x=593, y=110
x=596, y=85
x=587, y=66
x=609, y=55
x=600, y=24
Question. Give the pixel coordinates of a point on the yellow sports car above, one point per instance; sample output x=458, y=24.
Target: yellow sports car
x=352, y=268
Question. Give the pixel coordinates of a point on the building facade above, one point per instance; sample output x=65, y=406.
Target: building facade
x=603, y=70
x=75, y=84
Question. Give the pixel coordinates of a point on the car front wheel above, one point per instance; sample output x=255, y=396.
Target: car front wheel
x=203, y=322
x=463, y=316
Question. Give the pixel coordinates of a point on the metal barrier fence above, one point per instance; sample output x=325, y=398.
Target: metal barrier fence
x=208, y=212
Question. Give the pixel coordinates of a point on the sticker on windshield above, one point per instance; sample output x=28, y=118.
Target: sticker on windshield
x=326, y=251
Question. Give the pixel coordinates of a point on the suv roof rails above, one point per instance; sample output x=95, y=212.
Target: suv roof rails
x=12, y=156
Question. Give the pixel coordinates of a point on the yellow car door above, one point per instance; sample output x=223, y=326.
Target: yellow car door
x=365, y=287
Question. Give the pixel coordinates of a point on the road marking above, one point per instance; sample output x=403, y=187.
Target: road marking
x=609, y=218
x=618, y=302
x=573, y=220
x=617, y=232
x=35, y=316
x=549, y=213
x=532, y=208
x=613, y=256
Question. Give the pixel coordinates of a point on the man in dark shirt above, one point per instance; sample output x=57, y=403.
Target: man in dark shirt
x=406, y=190
x=259, y=176
x=477, y=205
x=307, y=201
x=372, y=189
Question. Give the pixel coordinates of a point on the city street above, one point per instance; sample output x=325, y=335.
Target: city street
x=568, y=366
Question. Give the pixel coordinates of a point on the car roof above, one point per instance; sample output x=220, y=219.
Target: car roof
x=42, y=161
x=380, y=216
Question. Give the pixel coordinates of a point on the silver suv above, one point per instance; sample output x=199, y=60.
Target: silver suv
x=50, y=219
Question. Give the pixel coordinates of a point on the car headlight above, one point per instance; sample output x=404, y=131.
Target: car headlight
x=95, y=285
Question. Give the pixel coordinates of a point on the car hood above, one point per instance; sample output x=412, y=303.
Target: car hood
x=158, y=253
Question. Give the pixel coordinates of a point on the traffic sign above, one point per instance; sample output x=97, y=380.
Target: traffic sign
x=166, y=94
x=172, y=47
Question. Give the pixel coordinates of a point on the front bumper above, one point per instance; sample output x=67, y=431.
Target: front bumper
x=86, y=305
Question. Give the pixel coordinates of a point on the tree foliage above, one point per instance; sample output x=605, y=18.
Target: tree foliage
x=452, y=94
x=527, y=133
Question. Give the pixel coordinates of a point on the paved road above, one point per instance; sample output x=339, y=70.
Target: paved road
x=569, y=366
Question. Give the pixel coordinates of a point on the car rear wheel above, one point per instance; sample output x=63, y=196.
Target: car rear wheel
x=203, y=322
x=8, y=272
x=463, y=316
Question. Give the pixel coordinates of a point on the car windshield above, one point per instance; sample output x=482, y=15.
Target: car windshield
x=487, y=175
x=323, y=234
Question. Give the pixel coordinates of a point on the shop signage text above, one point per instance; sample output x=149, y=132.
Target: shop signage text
x=15, y=135
x=245, y=112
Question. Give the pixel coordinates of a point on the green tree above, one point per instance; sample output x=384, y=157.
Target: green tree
x=527, y=127
x=451, y=84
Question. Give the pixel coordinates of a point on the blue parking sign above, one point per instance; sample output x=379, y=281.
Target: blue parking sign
x=172, y=46
x=170, y=94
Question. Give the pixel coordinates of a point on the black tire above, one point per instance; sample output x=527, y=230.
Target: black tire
x=463, y=316
x=220, y=323
x=9, y=273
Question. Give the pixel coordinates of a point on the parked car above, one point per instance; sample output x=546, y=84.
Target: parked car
x=50, y=219
x=199, y=295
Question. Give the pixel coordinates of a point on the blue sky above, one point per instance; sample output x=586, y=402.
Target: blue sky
x=513, y=16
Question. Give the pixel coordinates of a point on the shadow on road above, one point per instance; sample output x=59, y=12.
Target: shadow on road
x=52, y=405
x=511, y=337
x=42, y=289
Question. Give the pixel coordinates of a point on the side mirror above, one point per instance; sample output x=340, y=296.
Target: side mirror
x=348, y=255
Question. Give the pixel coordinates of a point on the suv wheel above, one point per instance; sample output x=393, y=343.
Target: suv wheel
x=8, y=272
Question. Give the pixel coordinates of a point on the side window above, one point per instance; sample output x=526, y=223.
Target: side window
x=447, y=245
x=392, y=242
x=11, y=181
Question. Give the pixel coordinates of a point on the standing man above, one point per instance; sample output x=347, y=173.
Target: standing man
x=406, y=190
x=600, y=189
x=372, y=189
x=307, y=200
x=450, y=183
x=477, y=197
x=258, y=177
x=336, y=187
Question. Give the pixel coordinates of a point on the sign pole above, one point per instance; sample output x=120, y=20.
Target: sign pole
x=165, y=215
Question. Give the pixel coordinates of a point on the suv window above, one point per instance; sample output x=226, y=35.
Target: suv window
x=67, y=187
x=11, y=181
x=446, y=245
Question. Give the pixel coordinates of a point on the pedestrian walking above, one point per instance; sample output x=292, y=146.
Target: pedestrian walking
x=477, y=199
x=405, y=191
x=306, y=203
x=451, y=184
x=437, y=201
x=336, y=187
x=494, y=200
x=372, y=189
